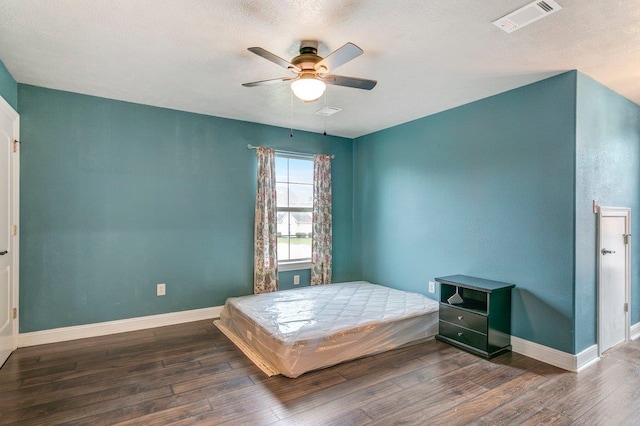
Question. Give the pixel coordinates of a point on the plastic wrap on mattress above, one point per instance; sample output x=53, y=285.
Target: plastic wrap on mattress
x=314, y=327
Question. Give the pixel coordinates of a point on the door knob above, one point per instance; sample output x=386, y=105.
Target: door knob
x=2, y=253
x=605, y=251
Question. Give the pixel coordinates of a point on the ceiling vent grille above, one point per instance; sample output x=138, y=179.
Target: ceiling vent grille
x=526, y=15
x=328, y=111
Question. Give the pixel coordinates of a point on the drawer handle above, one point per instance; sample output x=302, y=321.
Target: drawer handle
x=460, y=333
x=459, y=317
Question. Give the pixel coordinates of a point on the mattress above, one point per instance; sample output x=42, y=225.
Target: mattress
x=291, y=332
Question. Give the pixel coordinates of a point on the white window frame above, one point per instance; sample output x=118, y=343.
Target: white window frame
x=295, y=264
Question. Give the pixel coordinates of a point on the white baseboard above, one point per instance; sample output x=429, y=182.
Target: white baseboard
x=575, y=363
x=64, y=334
x=635, y=331
x=555, y=357
x=586, y=358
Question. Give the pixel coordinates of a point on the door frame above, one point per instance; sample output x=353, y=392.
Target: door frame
x=14, y=215
x=615, y=212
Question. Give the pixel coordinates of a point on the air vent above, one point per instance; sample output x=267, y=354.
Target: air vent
x=526, y=15
x=328, y=110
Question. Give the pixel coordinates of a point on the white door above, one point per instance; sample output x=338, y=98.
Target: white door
x=613, y=275
x=8, y=217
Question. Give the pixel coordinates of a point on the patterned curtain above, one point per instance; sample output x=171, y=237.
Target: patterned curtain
x=322, y=239
x=265, y=259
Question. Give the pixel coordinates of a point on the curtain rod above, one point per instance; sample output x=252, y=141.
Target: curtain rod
x=287, y=152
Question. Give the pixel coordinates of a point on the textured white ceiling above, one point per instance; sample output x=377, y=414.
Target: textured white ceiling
x=428, y=56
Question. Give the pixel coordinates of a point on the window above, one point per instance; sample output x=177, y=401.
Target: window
x=294, y=187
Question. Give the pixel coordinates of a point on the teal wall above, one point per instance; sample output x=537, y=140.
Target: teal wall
x=117, y=197
x=607, y=169
x=486, y=189
x=8, y=87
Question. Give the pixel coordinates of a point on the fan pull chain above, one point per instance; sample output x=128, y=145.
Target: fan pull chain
x=291, y=113
x=325, y=117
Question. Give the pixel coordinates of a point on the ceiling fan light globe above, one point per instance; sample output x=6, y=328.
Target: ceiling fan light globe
x=308, y=89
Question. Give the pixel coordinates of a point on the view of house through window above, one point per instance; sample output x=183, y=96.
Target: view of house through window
x=294, y=186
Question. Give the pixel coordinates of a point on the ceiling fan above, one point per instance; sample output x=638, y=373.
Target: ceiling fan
x=313, y=71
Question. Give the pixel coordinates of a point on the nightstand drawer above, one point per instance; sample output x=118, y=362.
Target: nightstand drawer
x=464, y=335
x=475, y=322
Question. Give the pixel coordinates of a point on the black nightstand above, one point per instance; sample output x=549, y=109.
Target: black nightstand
x=479, y=322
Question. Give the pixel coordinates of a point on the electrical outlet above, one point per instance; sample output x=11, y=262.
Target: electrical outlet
x=296, y=279
x=161, y=289
x=432, y=287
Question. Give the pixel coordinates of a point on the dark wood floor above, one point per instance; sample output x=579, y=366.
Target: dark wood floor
x=192, y=374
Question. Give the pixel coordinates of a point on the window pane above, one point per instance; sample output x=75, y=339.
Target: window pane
x=300, y=224
x=282, y=194
x=300, y=246
x=300, y=232
x=283, y=248
x=283, y=224
x=300, y=195
x=283, y=235
x=300, y=171
x=282, y=172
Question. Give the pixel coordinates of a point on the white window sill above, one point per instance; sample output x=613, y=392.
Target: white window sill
x=294, y=266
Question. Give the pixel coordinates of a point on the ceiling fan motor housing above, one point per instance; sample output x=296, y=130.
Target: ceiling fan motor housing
x=308, y=57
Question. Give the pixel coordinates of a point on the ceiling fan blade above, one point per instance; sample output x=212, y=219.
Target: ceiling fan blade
x=357, y=83
x=267, y=82
x=273, y=58
x=338, y=57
